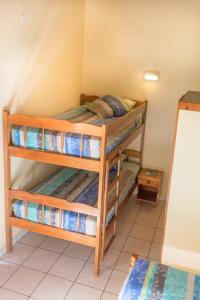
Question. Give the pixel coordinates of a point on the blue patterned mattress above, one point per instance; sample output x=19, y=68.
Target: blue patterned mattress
x=78, y=186
x=149, y=280
x=52, y=139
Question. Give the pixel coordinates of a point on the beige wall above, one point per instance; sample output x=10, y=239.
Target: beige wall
x=41, y=63
x=40, y=67
x=123, y=38
x=181, y=244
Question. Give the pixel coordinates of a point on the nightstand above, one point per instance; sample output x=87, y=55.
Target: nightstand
x=149, y=185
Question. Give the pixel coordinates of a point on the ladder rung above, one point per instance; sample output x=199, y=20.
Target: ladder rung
x=113, y=183
x=108, y=242
x=110, y=226
x=114, y=161
x=111, y=204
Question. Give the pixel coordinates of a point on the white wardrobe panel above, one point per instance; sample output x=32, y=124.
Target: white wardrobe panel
x=182, y=233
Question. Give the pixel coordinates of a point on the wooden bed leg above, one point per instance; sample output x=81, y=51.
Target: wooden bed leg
x=134, y=258
x=7, y=180
x=100, y=204
x=97, y=261
x=8, y=238
x=82, y=99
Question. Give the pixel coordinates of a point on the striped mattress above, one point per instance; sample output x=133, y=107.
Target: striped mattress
x=149, y=280
x=78, y=186
x=52, y=139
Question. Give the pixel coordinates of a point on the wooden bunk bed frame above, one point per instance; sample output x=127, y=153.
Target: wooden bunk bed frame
x=104, y=234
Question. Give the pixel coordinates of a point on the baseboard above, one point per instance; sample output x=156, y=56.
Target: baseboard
x=186, y=260
x=15, y=240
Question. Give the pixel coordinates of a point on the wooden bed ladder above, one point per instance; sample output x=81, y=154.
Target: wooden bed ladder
x=109, y=230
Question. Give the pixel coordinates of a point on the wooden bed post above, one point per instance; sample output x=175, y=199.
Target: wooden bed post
x=7, y=180
x=100, y=200
x=105, y=208
x=134, y=258
x=82, y=99
x=142, y=136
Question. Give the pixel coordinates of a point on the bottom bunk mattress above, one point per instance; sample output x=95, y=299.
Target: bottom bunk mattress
x=77, y=186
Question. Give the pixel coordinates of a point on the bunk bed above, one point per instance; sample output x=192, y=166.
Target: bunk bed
x=82, y=200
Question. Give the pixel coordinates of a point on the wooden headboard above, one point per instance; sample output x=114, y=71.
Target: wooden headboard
x=87, y=98
x=90, y=98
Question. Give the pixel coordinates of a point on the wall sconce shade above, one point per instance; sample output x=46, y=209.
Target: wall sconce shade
x=151, y=76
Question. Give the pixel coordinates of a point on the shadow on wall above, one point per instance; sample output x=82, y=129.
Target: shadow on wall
x=41, y=57
x=28, y=73
x=35, y=62
x=41, y=69
x=25, y=83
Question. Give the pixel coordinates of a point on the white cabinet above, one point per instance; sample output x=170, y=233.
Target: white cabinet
x=182, y=231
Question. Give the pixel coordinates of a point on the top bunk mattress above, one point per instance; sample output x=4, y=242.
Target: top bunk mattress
x=71, y=146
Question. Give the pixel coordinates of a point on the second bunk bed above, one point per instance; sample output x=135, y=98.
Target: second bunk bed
x=82, y=200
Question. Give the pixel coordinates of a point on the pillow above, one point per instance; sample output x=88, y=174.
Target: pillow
x=101, y=109
x=117, y=104
x=130, y=103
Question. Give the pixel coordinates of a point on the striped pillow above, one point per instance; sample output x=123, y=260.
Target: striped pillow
x=129, y=103
x=117, y=104
x=101, y=109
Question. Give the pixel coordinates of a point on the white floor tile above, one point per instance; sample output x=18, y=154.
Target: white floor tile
x=108, y=296
x=124, y=227
x=24, y=281
x=88, y=278
x=161, y=223
x=142, y=232
x=41, y=260
x=115, y=282
x=110, y=258
x=129, y=214
x=118, y=242
x=158, y=237
x=146, y=218
x=54, y=244
x=9, y=295
x=32, y=239
x=6, y=270
x=155, y=251
x=123, y=262
x=19, y=254
x=67, y=267
x=78, y=251
x=136, y=246
x=151, y=209
x=80, y=291
x=52, y=288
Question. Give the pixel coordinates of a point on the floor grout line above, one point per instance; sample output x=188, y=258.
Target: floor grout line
x=119, y=256
x=18, y=293
x=154, y=235
x=47, y=273
x=85, y=261
x=21, y=265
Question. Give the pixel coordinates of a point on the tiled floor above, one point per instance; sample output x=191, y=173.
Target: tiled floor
x=42, y=268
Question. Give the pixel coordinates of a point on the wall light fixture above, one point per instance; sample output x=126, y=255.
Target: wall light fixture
x=151, y=76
